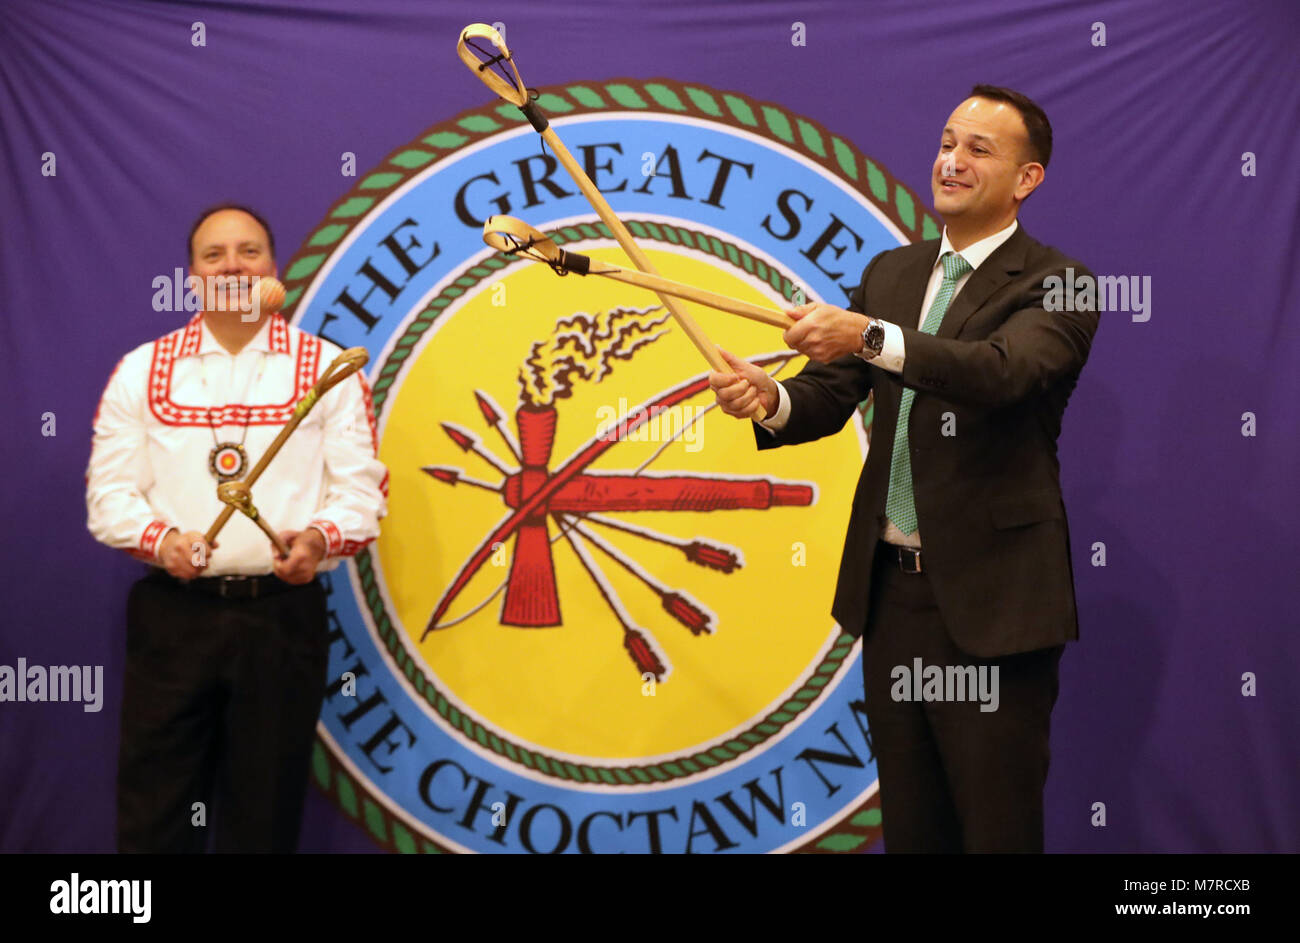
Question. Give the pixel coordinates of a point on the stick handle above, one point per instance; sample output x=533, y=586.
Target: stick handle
x=219, y=523
x=639, y=258
x=710, y=299
x=280, y=545
x=628, y=244
x=276, y=539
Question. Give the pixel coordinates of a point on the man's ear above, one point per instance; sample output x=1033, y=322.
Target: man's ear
x=1032, y=176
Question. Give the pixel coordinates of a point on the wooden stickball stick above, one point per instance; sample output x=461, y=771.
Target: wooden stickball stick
x=517, y=95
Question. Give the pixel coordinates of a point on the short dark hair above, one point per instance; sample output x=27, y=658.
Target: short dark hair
x=266, y=227
x=1035, y=119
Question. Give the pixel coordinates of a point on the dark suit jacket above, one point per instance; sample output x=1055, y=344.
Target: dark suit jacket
x=988, y=499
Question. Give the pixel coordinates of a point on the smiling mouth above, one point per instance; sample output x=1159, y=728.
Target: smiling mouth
x=952, y=185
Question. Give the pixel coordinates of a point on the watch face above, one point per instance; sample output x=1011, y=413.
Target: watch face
x=874, y=337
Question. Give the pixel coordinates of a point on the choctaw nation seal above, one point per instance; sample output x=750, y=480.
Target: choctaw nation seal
x=596, y=619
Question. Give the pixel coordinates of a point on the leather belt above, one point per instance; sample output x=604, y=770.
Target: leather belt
x=907, y=558
x=231, y=587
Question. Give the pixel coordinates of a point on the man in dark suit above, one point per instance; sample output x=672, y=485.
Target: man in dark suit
x=957, y=559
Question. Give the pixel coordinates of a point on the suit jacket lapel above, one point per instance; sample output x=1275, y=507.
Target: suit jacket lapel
x=911, y=292
x=1007, y=260
x=912, y=285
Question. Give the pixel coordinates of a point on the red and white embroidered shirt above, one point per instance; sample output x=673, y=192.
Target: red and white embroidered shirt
x=169, y=401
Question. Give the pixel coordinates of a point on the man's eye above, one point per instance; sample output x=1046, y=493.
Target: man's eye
x=944, y=147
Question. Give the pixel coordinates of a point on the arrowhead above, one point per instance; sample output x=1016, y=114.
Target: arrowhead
x=442, y=473
x=461, y=437
x=486, y=408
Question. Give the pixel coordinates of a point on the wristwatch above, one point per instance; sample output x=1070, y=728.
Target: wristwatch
x=873, y=340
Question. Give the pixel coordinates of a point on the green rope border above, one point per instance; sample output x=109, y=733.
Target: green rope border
x=899, y=203
x=480, y=733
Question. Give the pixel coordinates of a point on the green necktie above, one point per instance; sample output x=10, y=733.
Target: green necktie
x=899, y=506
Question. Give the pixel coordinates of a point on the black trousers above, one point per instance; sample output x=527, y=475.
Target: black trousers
x=953, y=778
x=220, y=706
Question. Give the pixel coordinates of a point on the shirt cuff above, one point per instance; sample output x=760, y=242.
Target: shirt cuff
x=336, y=545
x=776, y=422
x=333, y=537
x=151, y=539
x=891, y=352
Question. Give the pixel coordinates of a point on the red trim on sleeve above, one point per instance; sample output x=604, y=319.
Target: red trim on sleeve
x=333, y=537
x=153, y=533
x=374, y=435
x=370, y=413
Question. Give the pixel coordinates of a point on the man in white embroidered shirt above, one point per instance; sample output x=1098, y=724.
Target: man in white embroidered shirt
x=226, y=644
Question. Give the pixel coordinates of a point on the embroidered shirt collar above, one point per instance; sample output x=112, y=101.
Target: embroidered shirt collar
x=272, y=337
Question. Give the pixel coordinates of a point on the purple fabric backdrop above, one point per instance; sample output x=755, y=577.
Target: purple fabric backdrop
x=1146, y=179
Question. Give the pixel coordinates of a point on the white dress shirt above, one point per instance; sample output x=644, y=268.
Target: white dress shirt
x=892, y=353
x=170, y=401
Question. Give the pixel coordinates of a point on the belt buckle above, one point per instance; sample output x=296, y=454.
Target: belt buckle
x=226, y=586
x=905, y=553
